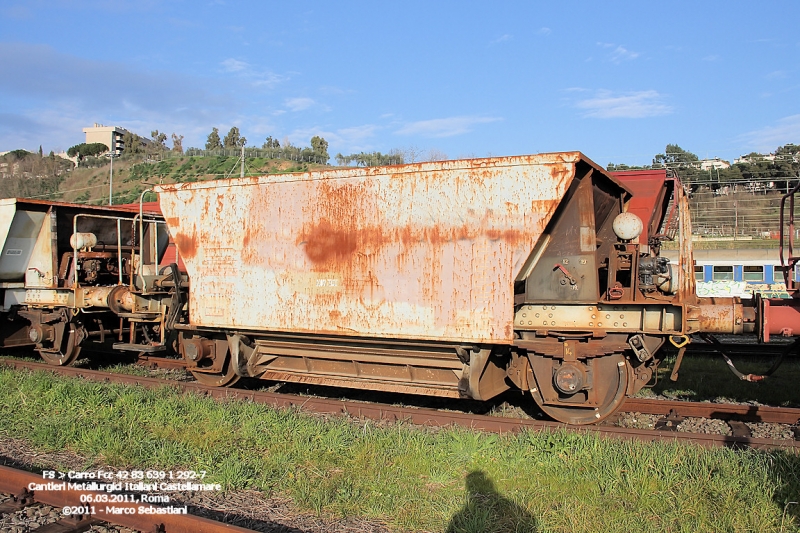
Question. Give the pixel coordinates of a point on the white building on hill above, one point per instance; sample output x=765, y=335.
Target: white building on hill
x=111, y=136
x=713, y=164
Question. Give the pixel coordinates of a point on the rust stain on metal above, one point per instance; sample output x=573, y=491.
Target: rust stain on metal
x=427, y=250
x=187, y=245
x=325, y=243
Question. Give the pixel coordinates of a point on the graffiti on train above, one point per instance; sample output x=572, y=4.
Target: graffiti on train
x=741, y=289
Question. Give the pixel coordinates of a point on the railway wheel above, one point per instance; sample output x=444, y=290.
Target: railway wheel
x=209, y=360
x=225, y=378
x=58, y=338
x=577, y=392
x=59, y=358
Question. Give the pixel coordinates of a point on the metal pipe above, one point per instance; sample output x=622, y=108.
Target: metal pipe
x=119, y=249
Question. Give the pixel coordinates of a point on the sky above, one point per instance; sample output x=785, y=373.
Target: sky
x=617, y=81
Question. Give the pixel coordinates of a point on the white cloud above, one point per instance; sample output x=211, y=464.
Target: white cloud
x=503, y=38
x=544, y=31
x=619, y=53
x=638, y=104
x=444, y=127
x=357, y=134
x=49, y=96
x=299, y=104
x=777, y=75
x=623, y=54
x=257, y=78
x=268, y=80
x=234, y=65
x=785, y=131
x=345, y=140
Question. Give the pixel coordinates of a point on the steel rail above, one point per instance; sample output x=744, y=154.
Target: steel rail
x=721, y=411
x=17, y=482
x=414, y=415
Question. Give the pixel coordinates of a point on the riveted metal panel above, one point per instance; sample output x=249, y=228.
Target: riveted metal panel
x=427, y=251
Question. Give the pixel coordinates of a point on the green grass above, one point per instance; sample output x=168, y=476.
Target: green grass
x=413, y=479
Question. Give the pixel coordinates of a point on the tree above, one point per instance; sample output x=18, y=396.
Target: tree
x=41, y=154
x=177, y=143
x=87, y=150
x=675, y=156
x=435, y=155
x=233, y=139
x=781, y=167
x=20, y=153
x=372, y=159
x=213, y=142
x=132, y=143
x=271, y=143
x=613, y=167
x=319, y=146
x=412, y=154
x=159, y=139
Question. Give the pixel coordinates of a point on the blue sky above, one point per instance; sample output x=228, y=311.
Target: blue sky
x=615, y=80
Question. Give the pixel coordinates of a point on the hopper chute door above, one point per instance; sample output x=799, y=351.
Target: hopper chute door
x=42, y=267
x=566, y=269
x=20, y=240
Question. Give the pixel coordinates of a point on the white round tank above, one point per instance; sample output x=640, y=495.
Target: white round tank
x=627, y=226
x=83, y=240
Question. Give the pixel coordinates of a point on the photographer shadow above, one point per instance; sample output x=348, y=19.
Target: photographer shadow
x=487, y=510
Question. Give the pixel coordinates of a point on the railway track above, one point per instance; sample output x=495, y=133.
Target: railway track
x=73, y=514
x=672, y=412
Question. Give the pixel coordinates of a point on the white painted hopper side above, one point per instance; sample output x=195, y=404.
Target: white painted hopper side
x=420, y=251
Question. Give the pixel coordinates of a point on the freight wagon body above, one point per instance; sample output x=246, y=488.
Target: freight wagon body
x=455, y=278
x=428, y=251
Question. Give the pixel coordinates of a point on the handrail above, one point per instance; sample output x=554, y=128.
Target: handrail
x=789, y=262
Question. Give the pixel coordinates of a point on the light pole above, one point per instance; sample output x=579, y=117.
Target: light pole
x=110, y=177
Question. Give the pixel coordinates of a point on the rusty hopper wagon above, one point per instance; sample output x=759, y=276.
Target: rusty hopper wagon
x=457, y=279
x=72, y=274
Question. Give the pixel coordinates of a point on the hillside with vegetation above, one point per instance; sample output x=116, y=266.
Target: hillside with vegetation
x=31, y=176
x=148, y=161
x=742, y=200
